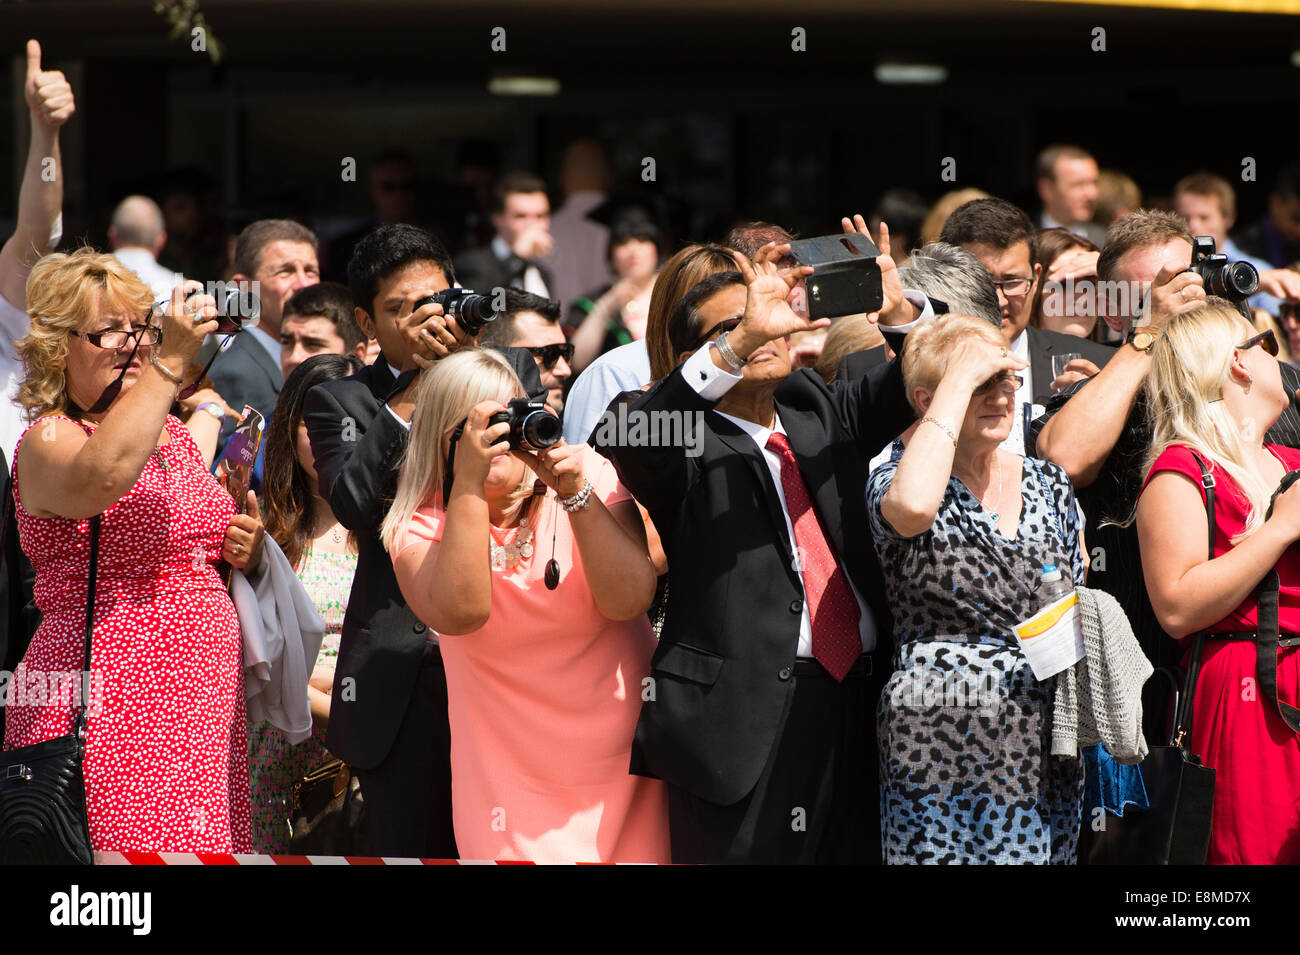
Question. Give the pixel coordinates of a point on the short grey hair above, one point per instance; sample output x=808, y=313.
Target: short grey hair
x=137, y=220
x=953, y=275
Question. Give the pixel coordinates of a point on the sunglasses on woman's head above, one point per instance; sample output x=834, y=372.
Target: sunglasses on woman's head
x=1267, y=339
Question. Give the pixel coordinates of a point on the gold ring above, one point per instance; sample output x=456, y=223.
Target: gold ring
x=1004, y=351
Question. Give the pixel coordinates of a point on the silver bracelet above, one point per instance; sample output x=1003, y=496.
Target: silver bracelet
x=728, y=353
x=214, y=409
x=580, y=501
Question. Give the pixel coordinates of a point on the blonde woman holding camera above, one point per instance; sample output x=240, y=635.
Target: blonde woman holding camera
x=534, y=573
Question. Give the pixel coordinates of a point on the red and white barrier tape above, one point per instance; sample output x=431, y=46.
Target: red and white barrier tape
x=212, y=858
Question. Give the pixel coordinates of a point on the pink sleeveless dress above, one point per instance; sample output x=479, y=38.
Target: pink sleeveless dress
x=166, y=766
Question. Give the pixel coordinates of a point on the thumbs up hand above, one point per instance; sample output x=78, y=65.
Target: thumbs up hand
x=49, y=95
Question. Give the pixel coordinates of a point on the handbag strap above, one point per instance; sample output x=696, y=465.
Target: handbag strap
x=79, y=725
x=1183, y=715
x=1266, y=629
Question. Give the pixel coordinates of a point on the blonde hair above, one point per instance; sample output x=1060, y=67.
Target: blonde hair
x=65, y=293
x=1190, y=364
x=850, y=334
x=446, y=394
x=945, y=206
x=925, y=359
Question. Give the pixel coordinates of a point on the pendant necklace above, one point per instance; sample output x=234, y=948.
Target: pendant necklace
x=997, y=463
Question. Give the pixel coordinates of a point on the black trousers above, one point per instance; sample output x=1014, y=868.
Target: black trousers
x=408, y=795
x=818, y=798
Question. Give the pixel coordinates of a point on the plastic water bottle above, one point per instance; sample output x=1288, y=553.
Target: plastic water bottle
x=1055, y=585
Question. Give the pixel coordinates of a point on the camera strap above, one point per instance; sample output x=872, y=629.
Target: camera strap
x=1266, y=629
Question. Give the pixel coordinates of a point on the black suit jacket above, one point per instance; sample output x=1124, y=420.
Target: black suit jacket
x=482, y=271
x=356, y=443
x=1044, y=344
x=722, y=671
x=244, y=374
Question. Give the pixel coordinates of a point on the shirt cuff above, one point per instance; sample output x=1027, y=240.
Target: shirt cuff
x=709, y=381
x=920, y=301
x=398, y=418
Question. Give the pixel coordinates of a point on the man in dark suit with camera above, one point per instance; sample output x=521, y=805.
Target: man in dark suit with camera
x=388, y=718
x=760, y=709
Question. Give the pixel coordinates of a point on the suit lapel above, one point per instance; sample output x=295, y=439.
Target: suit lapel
x=743, y=445
x=263, y=360
x=1040, y=364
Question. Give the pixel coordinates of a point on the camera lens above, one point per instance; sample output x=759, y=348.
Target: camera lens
x=540, y=430
x=1241, y=279
x=473, y=312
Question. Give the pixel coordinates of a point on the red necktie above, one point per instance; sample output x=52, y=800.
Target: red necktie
x=832, y=608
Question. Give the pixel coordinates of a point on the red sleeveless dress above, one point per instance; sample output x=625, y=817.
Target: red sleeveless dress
x=166, y=764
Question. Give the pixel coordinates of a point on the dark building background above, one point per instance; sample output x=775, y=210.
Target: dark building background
x=737, y=122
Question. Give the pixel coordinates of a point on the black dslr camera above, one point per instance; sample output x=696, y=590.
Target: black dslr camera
x=532, y=426
x=235, y=307
x=1235, y=281
x=471, y=310
x=846, y=277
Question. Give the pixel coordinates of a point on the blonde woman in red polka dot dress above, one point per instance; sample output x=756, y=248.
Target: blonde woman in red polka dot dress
x=166, y=763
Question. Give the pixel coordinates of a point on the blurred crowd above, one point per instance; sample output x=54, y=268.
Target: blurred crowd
x=654, y=563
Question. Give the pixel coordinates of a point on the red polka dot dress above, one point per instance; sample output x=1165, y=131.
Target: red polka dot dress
x=166, y=764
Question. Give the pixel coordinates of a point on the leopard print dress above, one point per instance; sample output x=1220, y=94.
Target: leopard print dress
x=964, y=727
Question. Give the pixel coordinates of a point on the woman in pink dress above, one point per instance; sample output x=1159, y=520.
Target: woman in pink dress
x=544, y=684
x=166, y=764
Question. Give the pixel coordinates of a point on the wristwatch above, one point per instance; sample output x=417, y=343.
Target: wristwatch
x=214, y=409
x=1142, y=337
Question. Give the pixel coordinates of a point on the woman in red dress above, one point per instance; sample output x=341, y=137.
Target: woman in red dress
x=1215, y=388
x=166, y=762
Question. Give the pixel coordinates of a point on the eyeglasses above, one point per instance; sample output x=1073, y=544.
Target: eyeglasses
x=1267, y=339
x=1009, y=384
x=724, y=326
x=1014, y=288
x=1288, y=311
x=550, y=354
x=115, y=338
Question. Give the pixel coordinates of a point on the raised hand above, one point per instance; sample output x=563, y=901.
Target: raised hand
x=48, y=92
x=895, y=309
x=559, y=467
x=1172, y=292
x=768, y=315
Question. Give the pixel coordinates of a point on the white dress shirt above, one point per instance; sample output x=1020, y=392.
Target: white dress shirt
x=161, y=281
x=533, y=281
x=711, y=383
x=13, y=326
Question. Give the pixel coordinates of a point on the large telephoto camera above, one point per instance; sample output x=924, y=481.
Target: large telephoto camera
x=471, y=310
x=1235, y=281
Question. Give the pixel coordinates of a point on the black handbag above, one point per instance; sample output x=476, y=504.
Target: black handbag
x=327, y=811
x=42, y=790
x=1175, y=829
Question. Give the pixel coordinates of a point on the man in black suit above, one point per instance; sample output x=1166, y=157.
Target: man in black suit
x=521, y=216
x=1002, y=237
x=759, y=713
x=280, y=256
x=388, y=718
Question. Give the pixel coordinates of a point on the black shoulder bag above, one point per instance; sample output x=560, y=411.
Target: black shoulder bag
x=1175, y=830
x=42, y=790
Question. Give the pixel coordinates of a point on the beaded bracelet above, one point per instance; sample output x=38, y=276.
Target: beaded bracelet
x=580, y=501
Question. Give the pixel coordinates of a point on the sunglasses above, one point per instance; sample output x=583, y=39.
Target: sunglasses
x=1267, y=339
x=550, y=354
x=724, y=326
x=1288, y=310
